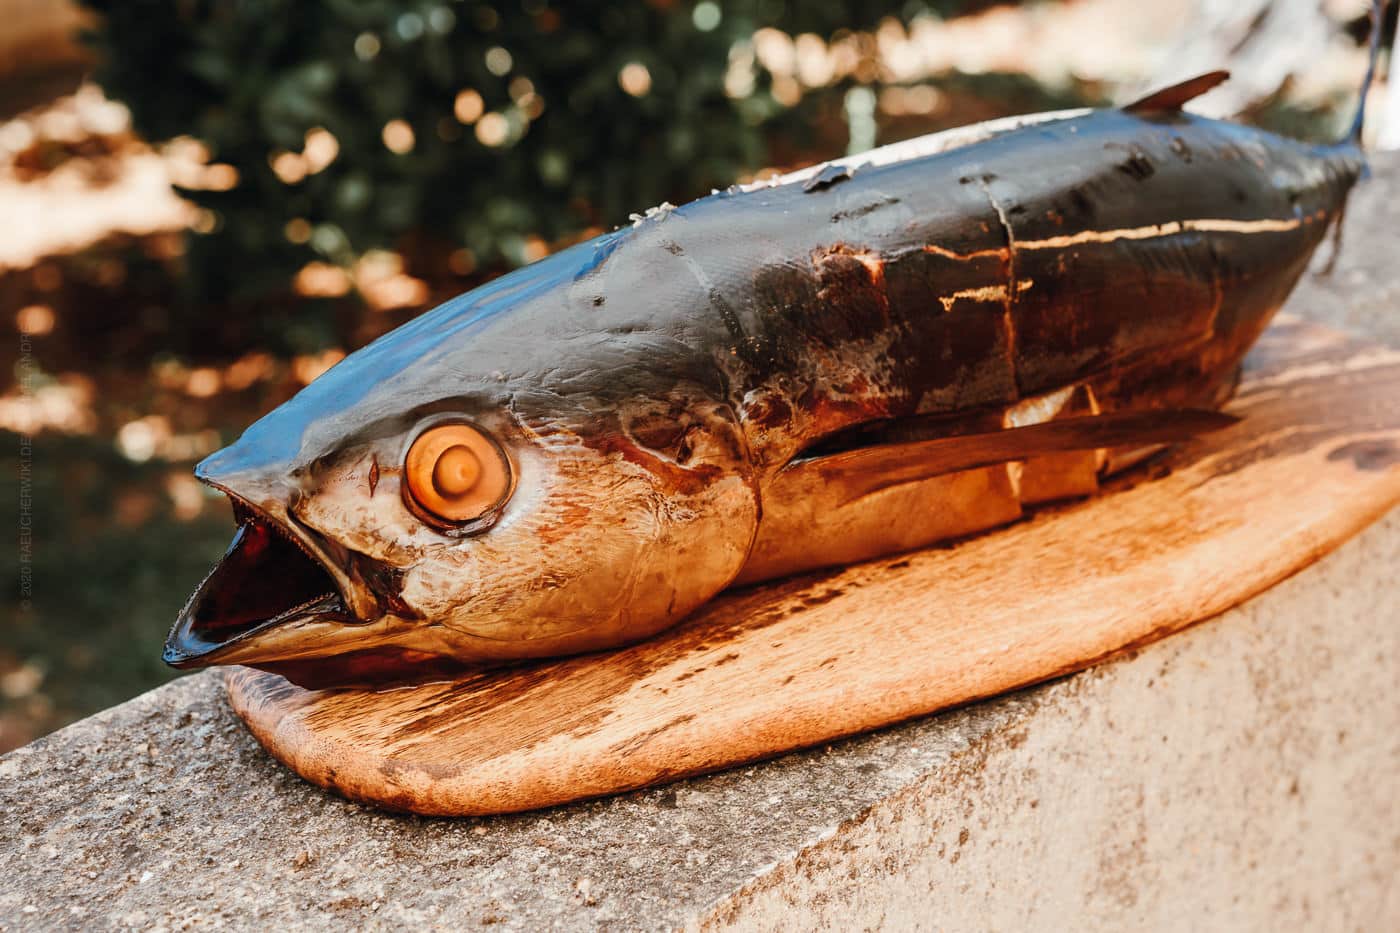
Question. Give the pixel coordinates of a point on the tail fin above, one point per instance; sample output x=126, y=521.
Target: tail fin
x=1350, y=145
x=1358, y=123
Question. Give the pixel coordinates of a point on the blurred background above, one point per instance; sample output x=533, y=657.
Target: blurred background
x=206, y=203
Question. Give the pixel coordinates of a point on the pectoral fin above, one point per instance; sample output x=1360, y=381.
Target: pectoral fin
x=863, y=471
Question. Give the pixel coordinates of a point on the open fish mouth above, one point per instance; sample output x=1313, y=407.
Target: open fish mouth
x=265, y=579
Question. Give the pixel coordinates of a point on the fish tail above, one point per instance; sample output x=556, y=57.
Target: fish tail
x=1358, y=122
x=1347, y=152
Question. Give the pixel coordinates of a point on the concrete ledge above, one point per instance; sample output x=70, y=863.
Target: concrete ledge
x=1239, y=775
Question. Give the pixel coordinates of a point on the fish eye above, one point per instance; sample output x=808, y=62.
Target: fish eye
x=455, y=473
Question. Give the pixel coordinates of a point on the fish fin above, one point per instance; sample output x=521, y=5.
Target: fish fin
x=1358, y=122
x=1175, y=97
x=863, y=471
x=1350, y=145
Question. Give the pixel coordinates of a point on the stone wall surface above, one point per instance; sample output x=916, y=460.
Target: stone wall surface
x=1240, y=775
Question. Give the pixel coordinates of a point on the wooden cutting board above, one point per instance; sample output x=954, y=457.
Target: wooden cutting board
x=768, y=669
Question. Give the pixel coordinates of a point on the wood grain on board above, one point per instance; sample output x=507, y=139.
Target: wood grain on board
x=772, y=668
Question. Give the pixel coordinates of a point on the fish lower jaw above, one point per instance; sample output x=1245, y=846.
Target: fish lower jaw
x=266, y=588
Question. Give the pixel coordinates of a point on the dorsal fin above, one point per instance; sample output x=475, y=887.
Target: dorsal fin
x=1174, y=97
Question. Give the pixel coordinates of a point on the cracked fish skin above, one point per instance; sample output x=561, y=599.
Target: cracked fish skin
x=659, y=390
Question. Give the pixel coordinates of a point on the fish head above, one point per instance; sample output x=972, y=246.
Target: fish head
x=393, y=517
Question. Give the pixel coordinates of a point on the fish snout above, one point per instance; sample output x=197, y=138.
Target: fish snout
x=267, y=486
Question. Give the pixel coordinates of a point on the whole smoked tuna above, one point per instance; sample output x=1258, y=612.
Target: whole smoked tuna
x=856, y=359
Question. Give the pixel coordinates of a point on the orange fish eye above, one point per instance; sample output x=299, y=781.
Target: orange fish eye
x=455, y=473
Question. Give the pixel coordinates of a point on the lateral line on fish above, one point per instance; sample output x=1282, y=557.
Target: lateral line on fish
x=985, y=293
x=1151, y=231
x=1170, y=228
x=1000, y=252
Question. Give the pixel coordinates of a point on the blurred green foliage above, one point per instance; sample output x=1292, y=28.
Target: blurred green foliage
x=250, y=78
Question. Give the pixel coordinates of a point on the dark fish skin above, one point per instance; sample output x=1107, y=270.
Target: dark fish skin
x=1127, y=258
x=840, y=304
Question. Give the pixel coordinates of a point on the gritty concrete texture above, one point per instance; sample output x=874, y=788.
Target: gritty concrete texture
x=1240, y=775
